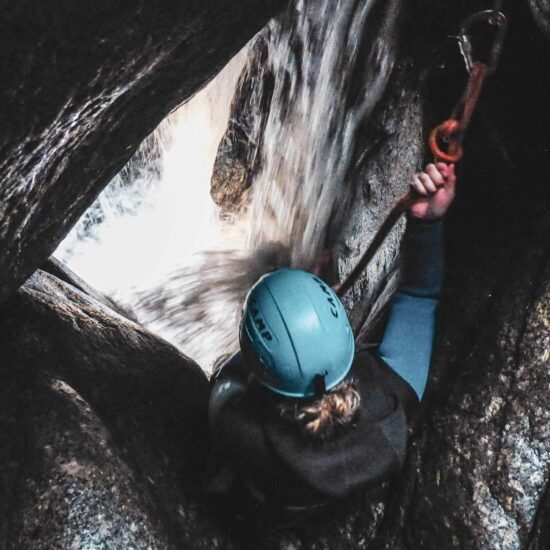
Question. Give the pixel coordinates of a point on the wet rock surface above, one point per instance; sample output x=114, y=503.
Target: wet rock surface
x=82, y=86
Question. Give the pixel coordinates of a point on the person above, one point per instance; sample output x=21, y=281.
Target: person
x=299, y=416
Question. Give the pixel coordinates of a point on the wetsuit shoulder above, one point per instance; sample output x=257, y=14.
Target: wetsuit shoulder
x=372, y=371
x=228, y=385
x=372, y=450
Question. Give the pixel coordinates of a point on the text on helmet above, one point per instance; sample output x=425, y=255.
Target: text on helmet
x=329, y=297
x=259, y=322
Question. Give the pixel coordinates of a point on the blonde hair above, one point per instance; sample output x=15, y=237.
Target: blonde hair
x=322, y=417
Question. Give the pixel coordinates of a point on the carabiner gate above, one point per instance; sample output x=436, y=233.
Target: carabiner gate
x=492, y=17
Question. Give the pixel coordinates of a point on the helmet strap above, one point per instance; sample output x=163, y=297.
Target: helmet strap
x=319, y=385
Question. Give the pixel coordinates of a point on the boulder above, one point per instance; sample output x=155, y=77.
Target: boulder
x=64, y=483
x=104, y=428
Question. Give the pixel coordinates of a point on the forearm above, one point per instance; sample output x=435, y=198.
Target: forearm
x=408, y=339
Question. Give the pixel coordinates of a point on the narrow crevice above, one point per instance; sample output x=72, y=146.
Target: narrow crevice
x=540, y=519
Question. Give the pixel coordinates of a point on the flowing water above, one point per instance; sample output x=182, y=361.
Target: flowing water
x=136, y=242
x=157, y=211
x=325, y=88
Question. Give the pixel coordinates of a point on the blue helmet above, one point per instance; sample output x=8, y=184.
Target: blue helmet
x=295, y=334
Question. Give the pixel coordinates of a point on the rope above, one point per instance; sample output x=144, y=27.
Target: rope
x=395, y=213
x=446, y=139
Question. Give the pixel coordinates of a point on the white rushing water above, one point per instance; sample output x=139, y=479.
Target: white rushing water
x=317, y=113
x=152, y=219
x=141, y=251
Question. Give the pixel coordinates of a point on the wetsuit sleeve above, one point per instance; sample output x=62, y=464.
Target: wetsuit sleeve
x=408, y=339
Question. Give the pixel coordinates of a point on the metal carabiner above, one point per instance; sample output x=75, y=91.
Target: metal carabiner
x=492, y=17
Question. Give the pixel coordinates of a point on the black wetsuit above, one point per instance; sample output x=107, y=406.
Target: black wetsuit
x=274, y=459
x=279, y=461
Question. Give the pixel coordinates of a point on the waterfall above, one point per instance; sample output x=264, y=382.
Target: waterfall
x=157, y=211
x=325, y=88
x=330, y=64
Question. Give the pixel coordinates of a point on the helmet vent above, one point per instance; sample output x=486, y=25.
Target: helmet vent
x=290, y=339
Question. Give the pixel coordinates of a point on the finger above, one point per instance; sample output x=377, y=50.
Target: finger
x=427, y=182
x=417, y=186
x=450, y=180
x=452, y=173
x=435, y=175
x=448, y=171
x=444, y=168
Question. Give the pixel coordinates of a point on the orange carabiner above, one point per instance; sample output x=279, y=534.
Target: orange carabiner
x=447, y=132
x=451, y=131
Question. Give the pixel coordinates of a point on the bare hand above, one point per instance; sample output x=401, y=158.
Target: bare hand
x=436, y=190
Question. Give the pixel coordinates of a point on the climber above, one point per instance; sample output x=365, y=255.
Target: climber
x=299, y=415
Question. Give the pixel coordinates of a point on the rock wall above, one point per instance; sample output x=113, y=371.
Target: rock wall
x=541, y=13
x=479, y=464
x=82, y=86
x=104, y=427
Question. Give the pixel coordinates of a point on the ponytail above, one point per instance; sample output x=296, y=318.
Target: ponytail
x=322, y=417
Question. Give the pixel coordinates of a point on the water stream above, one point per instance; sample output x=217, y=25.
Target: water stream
x=138, y=241
x=157, y=212
x=326, y=85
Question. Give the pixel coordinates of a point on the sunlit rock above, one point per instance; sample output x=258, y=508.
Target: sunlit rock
x=59, y=270
x=238, y=156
